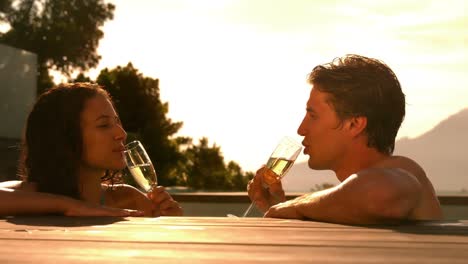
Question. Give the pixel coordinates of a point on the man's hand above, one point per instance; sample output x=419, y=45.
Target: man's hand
x=163, y=204
x=263, y=197
x=284, y=210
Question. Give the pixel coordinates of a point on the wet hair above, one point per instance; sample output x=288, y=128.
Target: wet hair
x=52, y=145
x=361, y=86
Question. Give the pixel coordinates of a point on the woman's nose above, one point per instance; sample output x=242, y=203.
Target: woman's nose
x=121, y=134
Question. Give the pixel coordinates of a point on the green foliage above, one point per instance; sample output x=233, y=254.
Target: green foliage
x=4, y=8
x=63, y=34
x=81, y=78
x=208, y=171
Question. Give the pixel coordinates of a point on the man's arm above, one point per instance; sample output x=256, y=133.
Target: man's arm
x=16, y=202
x=371, y=196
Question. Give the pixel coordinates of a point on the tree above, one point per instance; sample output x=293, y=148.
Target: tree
x=206, y=169
x=236, y=177
x=4, y=6
x=63, y=34
x=81, y=78
x=143, y=115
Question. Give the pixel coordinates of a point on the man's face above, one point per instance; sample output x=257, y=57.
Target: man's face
x=324, y=140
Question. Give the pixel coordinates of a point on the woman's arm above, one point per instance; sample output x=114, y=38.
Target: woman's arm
x=156, y=203
x=17, y=202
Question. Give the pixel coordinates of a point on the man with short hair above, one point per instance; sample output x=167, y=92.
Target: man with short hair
x=353, y=114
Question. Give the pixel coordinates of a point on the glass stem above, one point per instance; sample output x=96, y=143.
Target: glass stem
x=248, y=210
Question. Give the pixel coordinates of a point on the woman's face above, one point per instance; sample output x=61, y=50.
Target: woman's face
x=103, y=135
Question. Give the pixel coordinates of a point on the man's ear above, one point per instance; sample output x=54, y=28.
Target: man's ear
x=356, y=125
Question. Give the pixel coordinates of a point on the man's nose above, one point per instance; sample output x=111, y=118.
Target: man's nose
x=301, y=129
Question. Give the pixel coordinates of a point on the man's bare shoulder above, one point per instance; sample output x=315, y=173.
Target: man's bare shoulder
x=392, y=176
x=404, y=166
x=401, y=162
x=391, y=167
x=403, y=169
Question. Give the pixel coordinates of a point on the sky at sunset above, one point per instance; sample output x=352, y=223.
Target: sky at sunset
x=235, y=71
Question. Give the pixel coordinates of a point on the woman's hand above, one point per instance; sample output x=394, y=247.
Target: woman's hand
x=156, y=202
x=163, y=204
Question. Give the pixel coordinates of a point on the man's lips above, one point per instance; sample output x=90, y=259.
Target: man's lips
x=119, y=149
x=306, y=148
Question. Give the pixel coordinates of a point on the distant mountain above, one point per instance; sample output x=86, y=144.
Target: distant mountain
x=442, y=152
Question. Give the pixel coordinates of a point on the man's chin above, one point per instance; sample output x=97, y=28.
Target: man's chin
x=315, y=166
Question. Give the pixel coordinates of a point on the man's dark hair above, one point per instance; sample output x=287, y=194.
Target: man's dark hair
x=361, y=86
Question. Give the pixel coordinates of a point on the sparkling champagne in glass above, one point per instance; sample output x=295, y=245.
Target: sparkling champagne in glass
x=140, y=166
x=279, y=163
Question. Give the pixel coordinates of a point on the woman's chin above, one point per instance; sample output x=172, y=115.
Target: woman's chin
x=118, y=166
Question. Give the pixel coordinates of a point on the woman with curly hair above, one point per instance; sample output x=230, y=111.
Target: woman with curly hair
x=73, y=140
